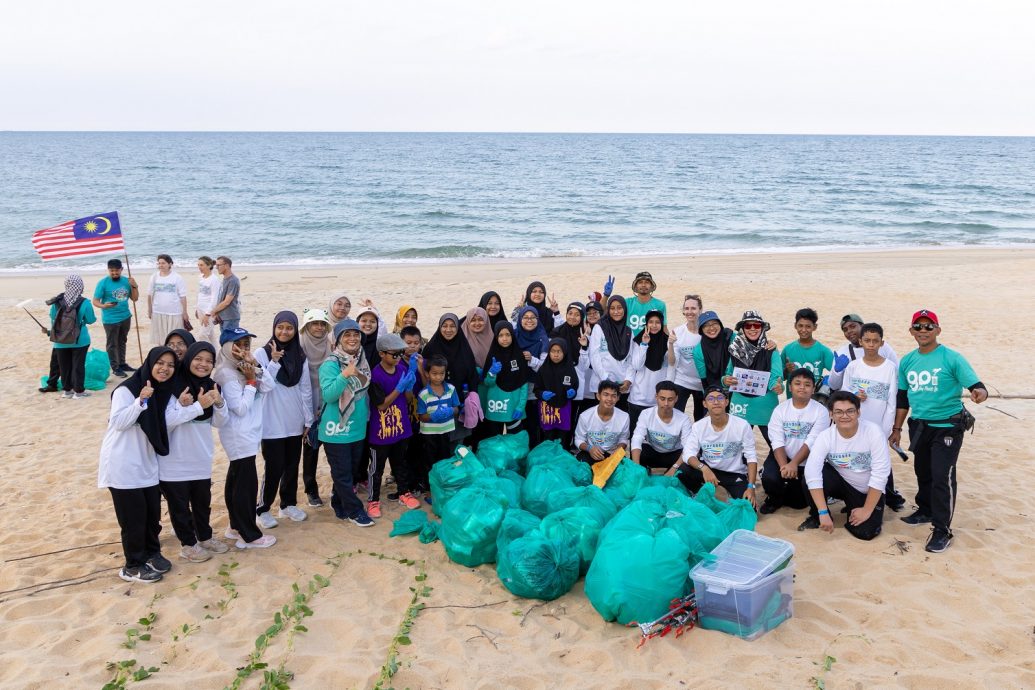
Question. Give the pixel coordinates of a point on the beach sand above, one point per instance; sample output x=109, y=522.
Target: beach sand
x=890, y=616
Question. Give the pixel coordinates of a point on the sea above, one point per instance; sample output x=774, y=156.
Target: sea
x=345, y=198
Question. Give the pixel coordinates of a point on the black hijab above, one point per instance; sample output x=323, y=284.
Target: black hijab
x=184, y=334
x=657, y=348
x=461, y=370
x=484, y=304
x=617, y=334
x=152, y=419
x=551, y=377
x=571, y=334
x=545, y=313
x=716, y=354
x=515, y=372
x=294, y=357
x=197, y=384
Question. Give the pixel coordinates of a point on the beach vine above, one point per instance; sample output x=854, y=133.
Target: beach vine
x=402, y=633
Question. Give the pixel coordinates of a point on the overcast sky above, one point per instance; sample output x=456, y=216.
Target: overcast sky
x=862, y=67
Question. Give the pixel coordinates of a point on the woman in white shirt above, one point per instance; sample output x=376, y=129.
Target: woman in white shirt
x=683, y=371
x=610, y=344
x=166, y=300
x=647, y=364
x=208, y=295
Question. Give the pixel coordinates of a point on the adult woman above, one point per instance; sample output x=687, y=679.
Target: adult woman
x=178, y=341
x=287, y=415
x=711, y=354
x=681, y=346
x=748, y=350
x=70, y=314
x=462, y=371
x=166, y=300
x=208, y=296
x=609, y=346
x=338, y=309
x=647, y=364
x=475, y=327
x=493, y=306
x=315, y=338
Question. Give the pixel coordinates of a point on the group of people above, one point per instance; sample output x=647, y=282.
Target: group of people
x=606, y=374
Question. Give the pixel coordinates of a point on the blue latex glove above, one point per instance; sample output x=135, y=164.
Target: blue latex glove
x=825, y=381
x=495, y=368
x=518, y=413
x=406, y=382
x=609, y=286
x=548, y=395
x=840, y=363
x=570, y=394
x=441, y=414
x=414, y=361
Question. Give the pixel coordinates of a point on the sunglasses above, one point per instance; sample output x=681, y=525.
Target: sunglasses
x=752, y=327
x=923, y=327
x=396, y=354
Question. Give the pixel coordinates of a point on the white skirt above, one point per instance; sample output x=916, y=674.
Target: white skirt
x=162, y=325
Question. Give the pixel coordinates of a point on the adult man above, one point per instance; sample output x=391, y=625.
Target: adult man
x=848, y=460
x=851, y=327
x=228, y=309
x=930, y=380
x=602, y=429
x=112, y=296
x=642, y=301
x=792, y=429
x=662, y=432
x=721, y=451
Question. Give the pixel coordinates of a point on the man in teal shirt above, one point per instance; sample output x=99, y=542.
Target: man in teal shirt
x=643, y=301
x=930, y=381
x=112, y=296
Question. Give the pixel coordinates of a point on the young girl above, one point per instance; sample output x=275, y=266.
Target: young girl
x=609, y=346
x=533, y=341
x=243, y=384
x=493, y=306
x=338, y=309
x=506, y=382
x=141, y=407
x=535, y=297
x=178, y=341
x=287, y=414
x=185, y=474
x=647, y=364
x=683, y=371
x=748, y=350
x=556, y=385
x=575, y=332
x=315, y=339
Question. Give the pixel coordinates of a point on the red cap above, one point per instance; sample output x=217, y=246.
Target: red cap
x=925, y=314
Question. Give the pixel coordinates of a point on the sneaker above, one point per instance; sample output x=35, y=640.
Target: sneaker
x=374, y=509
x=768, y=507
x=938, y=541
x=314, y=500
x=140, y=573
x=895, y=501
x=84, y=394
x=361, y=520
x=394, y=496
x=266, y=520
x=409, y=501
x=263, y=542
x=67, y=395
x=195, y=553
x=215, y=546
x=159, y=563
x=811, y=522
x=293, y=513
x=121, y=374
x=232, y=534
x=831, y=499
x=48, y=389
x=917, y=518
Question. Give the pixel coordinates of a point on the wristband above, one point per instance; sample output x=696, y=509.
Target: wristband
x=251, y=383
x=750, y=485
x=824, y=512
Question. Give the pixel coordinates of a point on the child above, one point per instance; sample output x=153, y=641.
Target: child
x=609, y=348
x=647, y=364
x=411, y=335
x=594, y=310
x=532, y=339
x=437, y=407
x=807, y=352
x=556, y=385
x=506, y=382
x=603, y=429
x=391, y=386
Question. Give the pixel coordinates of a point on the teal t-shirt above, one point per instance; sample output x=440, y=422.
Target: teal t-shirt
x=817, y=358
x=117, y=291
x=935, y=381
x=499, y=405
x=86, y=317
x=757, y=410
x=636, y=312
x=334, y=428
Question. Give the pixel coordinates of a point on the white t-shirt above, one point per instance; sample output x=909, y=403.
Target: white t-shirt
x=861, y=460
x=644, y=380
x=286, y=410
x=208, y=292
x=684, y=371
x=242, y=433
x=880, y=384
x=166, y=292
x=854, y=353
x=791, y=428
x=661, y=436
x=595, y=431
x=191, y=448
x=725, y=450
x=604, y=365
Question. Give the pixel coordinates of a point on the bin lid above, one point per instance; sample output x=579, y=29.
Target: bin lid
x=742, y=558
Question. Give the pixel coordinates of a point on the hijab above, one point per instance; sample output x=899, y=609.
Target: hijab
x=716, y=354
x=227, y=361
x=745, y=352
x=316, y=350
x=184, y=334
x=535, y=342
x=657, y=347
x=330, y=308
x=152, y=418
x=462, y=370
x=399, y=316
x=291, y=364
x=351, y=394
x=369, y=342
x=550, y=376
x=484, y=304
x=479, y=342
x=197, y=383
x=544, y=312
x=73, y=289
x=571, y=334
x=617, y=334
x=515, y=372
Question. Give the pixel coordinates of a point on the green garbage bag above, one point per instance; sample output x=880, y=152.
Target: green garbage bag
x=517, y=480
x=429, y=532
x=738, y=514
x=539, y=484
x=470, y=524
x=450, y=475
x=586, y=497
x=98, y=370
x=670, y=482
x=628, y=478
x=706, y=497
x=537, y=567
x=504, y=488
x=544, y=453
x=410, y=522
x=504, y=452
x=580, y=527
x=516, y=523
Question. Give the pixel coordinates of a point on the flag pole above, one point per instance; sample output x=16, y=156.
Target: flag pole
x=136, y=318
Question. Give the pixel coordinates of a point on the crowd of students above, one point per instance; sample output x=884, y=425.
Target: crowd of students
x=606, y=374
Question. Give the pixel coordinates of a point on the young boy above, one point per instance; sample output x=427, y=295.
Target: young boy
x=437, y=407
x=807, y=352
x=792, y=428
x=391, y=385
x=415, y=449
x=601, y=430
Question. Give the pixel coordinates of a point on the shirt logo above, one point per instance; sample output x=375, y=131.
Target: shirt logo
x=851, y=461
x=723, y=450
x=923, y=380
x=797, y=429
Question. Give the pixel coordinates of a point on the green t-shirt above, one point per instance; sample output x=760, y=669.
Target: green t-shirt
x=757, y=410
x=934, y=382
x=116, y=291
x=499, y=405
x=334, y=428
x=817, y=358
x=636, y=312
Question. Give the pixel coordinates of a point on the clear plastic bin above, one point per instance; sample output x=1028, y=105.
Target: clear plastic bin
x=745, y=610
x=745, y=557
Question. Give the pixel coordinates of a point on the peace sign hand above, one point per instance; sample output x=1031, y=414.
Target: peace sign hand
x=186, y=399
x=553, y=301
x=275, y=353
x=147, y=391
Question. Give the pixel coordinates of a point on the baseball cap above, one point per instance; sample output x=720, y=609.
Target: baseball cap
x=925, y=314
x=344, y=325
x=232, y=335
x=852, y=317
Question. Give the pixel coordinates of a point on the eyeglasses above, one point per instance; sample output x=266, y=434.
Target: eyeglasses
x=924, y=326
x=850, y=412
x=715, y=399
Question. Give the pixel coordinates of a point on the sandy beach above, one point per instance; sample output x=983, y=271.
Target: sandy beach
x=889, y=613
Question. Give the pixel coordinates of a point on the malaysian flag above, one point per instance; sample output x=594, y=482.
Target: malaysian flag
x=100, y=234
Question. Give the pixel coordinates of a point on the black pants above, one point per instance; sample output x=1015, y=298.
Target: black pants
x=783, y=492
x=139, y=512
x=380, y=456
x=55, y=369
x=435, y=447
x=563, y=435
x=239, y=491
x=834, y=486
x=935, y=452
x=683, y=396
x=343, y=459
x=310, y=460
x=115, y=337
x=634, y=416
x=72, y=363
x=531, y=423
x=652, y=459
x=734, y=483
x=281, y=457
x=190, y=505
